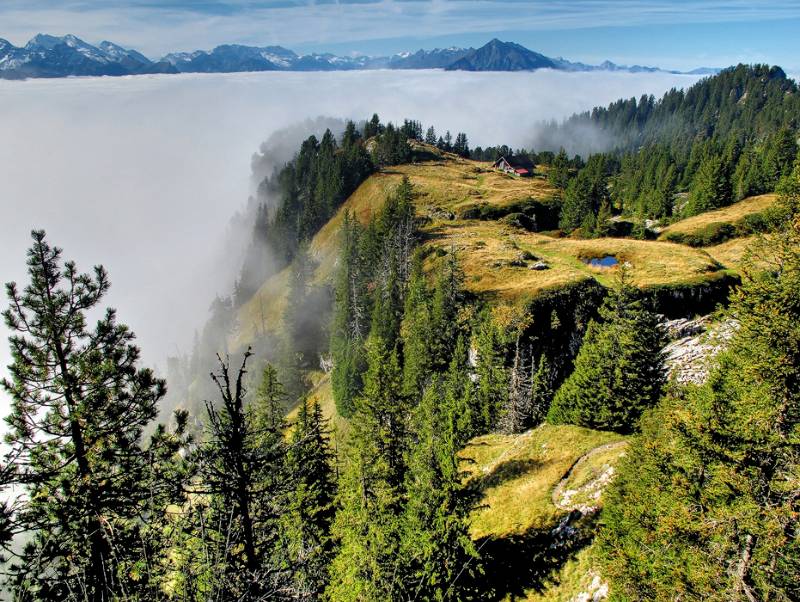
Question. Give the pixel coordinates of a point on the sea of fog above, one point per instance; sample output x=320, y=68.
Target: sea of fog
x=143, y=174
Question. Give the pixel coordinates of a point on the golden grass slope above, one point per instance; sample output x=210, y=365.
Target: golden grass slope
x=732, y=214
x=516, y=475
x=448, y=184
x=487, y=251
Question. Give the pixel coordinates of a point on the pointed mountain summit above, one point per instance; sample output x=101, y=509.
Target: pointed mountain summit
x=502, y=56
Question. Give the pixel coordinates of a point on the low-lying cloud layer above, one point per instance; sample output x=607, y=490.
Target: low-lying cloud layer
x=143, y=174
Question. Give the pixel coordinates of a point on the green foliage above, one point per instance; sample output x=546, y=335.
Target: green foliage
x=725, y=138
x=391, y=147
x=242, y=464
x=368, y=523
x=619, y=370
x=310, y=508
x=441, y=558
x=309, y=189
x=79, y=405
x=584, y=196
x=541, y=390
x=370, y=289
x=705, y=504
x=711, y=188
x=349, y=326
x=415, y=330
x=559, y=171
x=492, y=377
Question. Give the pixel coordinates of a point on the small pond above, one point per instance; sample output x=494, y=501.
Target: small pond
x=602, y=262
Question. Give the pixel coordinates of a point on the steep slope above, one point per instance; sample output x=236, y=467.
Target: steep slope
x=470, y=207
x=50, y=56
x=535, y=494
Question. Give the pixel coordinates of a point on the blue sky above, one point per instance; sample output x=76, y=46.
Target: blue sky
x=680, y=34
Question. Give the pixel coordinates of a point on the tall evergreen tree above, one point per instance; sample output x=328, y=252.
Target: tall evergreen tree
x=491, y=376
x=243, y=468
x=619, y=371
x=705, y=503
x=368, y=523
x=448, y=298
x=350, y=324
x=584, y=196
x=416, y=332
x=711, y=187
x=80, y=403
x=430, y=136
x=440, y=556
x=541, y=390
x=558, y=174
x=310, y=507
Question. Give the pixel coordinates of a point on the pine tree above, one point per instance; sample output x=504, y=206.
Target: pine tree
x=243, y=469
x=541, y=390
x=350, y=324
x=430, y=136
x=584, y=196
x=373, y=127
x=619, y=371
x=705, y=503
x=711, y=187
x=80, y=404
x=310, y=509
x=461, y=145
x=416, y=332
x=439, y=554
x=367, y=526
x=491, y=376
x=558, y=174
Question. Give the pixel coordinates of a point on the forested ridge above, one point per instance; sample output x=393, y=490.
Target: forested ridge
x=260, y=487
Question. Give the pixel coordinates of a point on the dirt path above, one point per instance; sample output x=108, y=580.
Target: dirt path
x=558, y=491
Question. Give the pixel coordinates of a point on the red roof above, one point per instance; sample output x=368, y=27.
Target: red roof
x=520, y=170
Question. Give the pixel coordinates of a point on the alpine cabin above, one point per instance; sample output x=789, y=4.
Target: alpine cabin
x=516, y=166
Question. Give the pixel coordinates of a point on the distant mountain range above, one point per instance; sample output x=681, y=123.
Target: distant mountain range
x=50, y=56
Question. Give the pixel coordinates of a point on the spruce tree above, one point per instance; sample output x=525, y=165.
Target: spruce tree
x=80, y=403
x=541, y=389
x=491, y=376
x=705, y=504
x=619, y=371
x=558, y=174
x=416, y=332
x=350, y=324
x=438, y=552
x=430, y=136
x=458, y=390
x=367, y=526
x=711, y=187
x=243, y=469
x=310, y=507
x=448, y=298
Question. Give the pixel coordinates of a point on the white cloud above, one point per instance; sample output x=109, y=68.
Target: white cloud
x=142, y=174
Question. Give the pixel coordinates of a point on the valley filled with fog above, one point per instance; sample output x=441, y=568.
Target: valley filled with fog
x=143, y=174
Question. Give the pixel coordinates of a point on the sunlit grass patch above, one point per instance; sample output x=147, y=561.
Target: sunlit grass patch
x=514, y=476
x=740, y=219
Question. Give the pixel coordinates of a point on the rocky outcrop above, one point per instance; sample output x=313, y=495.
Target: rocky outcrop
x=693, y=345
